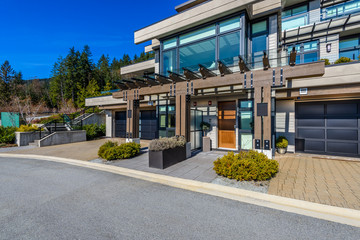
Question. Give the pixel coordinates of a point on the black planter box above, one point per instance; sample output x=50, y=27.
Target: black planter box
x=166, y=158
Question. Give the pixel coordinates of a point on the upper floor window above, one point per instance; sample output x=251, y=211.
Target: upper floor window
x=306, y=52
x=219, y=41
x=341, y=9
x=197, y=35
x=350, y=48
x=295, y=17
x=259, y=36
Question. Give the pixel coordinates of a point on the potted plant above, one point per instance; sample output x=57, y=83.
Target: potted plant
x=282, y=144
x=165, y=152
x=205, y=127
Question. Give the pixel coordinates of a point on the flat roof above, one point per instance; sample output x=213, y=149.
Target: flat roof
x=189, y=4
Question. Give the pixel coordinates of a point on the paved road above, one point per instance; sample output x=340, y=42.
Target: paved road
x=46, y=200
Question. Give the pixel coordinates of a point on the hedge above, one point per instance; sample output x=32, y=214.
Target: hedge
x=94, y=131
x=7, y=134
x=113, y=151
x=246, y=166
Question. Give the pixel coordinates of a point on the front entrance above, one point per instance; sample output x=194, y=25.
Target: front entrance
x=226, y=124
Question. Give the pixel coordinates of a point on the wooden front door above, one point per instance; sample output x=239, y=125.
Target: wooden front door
x=226, y=124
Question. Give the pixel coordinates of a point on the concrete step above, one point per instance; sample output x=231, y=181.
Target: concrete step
x=33, y=144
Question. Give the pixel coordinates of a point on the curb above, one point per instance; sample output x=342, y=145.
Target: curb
x=315, y=210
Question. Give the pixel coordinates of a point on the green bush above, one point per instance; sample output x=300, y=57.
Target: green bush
x=94, y=131
x=27, y=128
x=282, y=142
x=327, y=62
x=112, y=150
x=54, y=118
x=342, y=60
x=246, y=166
x=166, y=143
x=7, y=134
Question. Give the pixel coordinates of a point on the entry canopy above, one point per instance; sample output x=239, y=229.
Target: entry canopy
x=335, y=24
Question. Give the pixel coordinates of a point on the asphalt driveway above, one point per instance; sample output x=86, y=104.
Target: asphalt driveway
x=47, y=200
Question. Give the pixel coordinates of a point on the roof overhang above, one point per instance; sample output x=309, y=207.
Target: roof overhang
x=193, y=17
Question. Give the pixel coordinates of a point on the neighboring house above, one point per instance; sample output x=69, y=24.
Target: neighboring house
x=253, y=70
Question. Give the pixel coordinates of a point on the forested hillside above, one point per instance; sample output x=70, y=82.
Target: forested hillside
x=73, y=78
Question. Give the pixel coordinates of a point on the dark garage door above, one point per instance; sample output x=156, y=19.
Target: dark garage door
x=328, y=127
x=148, y=125
x=120, y=124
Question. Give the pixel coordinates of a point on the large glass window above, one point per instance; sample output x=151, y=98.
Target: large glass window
x=230, y=24
x=259, y=37
x=306, y=52
x=166, y=120
x=202, y=52
x=246, y=124
x=350, y=48
x=170, y=43
x=229, y=48
x=169, y=61
x=219, y=41
x=295, y=17
x=197, y=35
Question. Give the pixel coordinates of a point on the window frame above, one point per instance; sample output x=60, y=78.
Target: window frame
x=342, y=50
x=293, y=16
x=302, y=53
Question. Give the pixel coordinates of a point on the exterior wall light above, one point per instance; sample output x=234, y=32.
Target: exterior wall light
x=328, y=47
x=210, y=103
x=195, y=104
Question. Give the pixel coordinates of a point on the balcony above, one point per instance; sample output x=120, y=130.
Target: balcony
x=340, y=10
x=141, y=67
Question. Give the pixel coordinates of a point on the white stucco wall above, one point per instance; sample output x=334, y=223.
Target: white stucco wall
x=109, y=123
x=334, y=41
x=285, y=121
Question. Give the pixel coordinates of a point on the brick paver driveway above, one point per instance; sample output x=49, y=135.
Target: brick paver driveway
x=317, y=179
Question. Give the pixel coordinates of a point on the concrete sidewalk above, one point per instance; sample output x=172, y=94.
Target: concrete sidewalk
x=199, y=167
x=85, y=151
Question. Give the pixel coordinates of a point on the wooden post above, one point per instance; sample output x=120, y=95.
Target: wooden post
x=132, y=121
x=182, y=105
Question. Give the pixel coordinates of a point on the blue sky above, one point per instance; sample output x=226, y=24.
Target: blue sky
x=35, y=33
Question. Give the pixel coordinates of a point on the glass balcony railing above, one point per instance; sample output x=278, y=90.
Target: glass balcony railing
x=252, y=61
x=340, y=10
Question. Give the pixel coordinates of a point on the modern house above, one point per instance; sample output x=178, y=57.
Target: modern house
x=254, y=70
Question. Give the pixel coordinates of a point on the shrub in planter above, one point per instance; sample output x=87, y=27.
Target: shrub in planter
x=342, y=60
x=27, y=128
x=327, y=61
x=162, y=144
x=165, y=152
x=246, y=166
x=281, y=144
x=7, y=134
x=205, y=127
x=112, y=150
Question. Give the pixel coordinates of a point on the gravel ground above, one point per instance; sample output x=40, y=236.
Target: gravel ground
x=260, y=186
